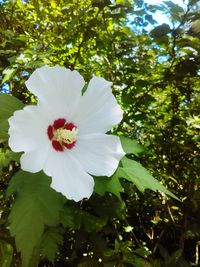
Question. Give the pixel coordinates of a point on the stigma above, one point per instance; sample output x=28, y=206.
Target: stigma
x=63, y=135
x=66, y=136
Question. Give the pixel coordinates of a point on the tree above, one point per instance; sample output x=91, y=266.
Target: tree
x=155, y=78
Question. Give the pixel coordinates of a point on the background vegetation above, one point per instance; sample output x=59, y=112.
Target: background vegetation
x=155, y=77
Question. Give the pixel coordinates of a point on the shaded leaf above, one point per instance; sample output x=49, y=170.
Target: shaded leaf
x=51, y=239
x=70, y=217
x=160, y=30
x=35, y=203
x=73, y=217
x=91, y=222
x=108, y=185
x=134, y=172
x=176, y=9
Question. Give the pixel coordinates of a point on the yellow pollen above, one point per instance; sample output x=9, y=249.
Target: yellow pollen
x=66, y=136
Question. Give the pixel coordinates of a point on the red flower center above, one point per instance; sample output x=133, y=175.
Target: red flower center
x=62, y=134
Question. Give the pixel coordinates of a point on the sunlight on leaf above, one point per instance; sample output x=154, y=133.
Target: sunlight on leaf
x=134, y=172
x=8, y=104
x=131, y=146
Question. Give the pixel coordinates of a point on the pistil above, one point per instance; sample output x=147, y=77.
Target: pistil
x=62, y=134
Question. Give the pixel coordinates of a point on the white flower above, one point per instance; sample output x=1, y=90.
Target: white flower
x=64, y=135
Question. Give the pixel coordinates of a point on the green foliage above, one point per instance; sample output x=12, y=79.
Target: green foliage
x=155, y=75
x=35, y=203
x=6, y=254
x=8, y=104
x=160, y=30
x=75, y=218
x=50, y=240
x=131, y=146
x=8, y=74
x=108, y=184
x=6, y=156
x=134, y=172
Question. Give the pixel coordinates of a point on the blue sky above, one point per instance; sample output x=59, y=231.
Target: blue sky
x=159, y=16
x=154, y=2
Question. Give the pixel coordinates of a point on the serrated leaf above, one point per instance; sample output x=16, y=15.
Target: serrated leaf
x=131, y=146
x=37, y=203
x=73, y=217
x=108, y=185
x=8, y=104
x=134, y=172
x=51, y=239
x=70, y=218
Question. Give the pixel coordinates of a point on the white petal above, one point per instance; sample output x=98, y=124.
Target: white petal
x=68, y=176
x=34, y=161
x=28, y=129
x=98, y=110
x=99, y=154
x=57, y=87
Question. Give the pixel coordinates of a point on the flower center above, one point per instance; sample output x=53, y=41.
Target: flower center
x=62, y=134
x=66, y=136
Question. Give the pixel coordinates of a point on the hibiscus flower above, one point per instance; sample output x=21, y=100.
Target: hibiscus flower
x=64, y=134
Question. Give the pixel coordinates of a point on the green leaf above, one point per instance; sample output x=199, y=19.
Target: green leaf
x=131, y=146
x=51, y=239
x=70, y=218
x=6, y=156
x=6, y=254
x=136, y=261
x=160, y=30
x=108, y=185
x=176, y=9
x=134, y=172
x=8, y=104
x=35, y=202
x=73, y=217
x=90, y=222
x=142, y=83
x=3, y=130
x=8, y=74
x=127, y=98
